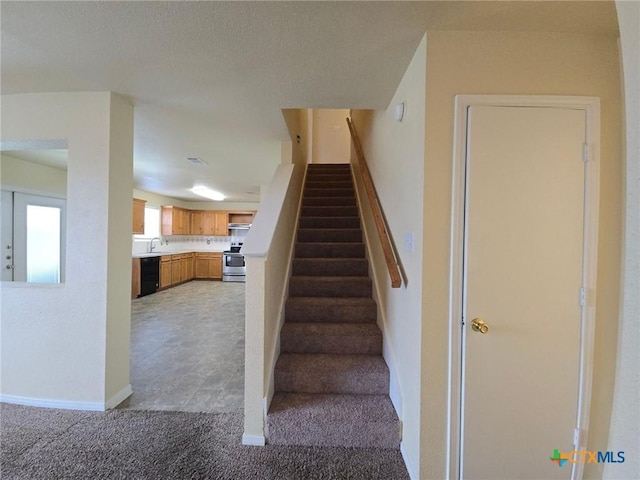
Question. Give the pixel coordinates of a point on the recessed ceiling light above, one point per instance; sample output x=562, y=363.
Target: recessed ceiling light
x=197, y=161
x=207, y=193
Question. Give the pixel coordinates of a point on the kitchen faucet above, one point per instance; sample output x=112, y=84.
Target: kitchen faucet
x=151, y=243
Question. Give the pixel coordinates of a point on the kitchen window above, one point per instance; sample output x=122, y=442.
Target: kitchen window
x=151, y=224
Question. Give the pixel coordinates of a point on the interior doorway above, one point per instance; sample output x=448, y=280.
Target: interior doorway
x=522, y=311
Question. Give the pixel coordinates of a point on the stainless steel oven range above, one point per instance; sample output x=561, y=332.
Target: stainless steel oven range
x=233, y=266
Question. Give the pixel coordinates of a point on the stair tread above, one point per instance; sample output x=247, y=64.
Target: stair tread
x=337, y=328
x=335, y=278
x=333, y=363
x=320, y=301
x=332, y=243
x=335, y=406
x=331, y=420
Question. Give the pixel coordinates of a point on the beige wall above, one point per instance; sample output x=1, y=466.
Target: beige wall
x=395, y=155
x=330, y=139
x=54, y=346
x=514, y=63
x=299, y=124
x=31, y=176
x=625, y=417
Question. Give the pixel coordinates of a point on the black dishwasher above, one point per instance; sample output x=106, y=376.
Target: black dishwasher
x=149, y=275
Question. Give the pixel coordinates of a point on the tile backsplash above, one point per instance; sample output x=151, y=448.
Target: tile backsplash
x=180, y=243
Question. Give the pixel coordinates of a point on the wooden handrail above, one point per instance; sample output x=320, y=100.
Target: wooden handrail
x=381, y=226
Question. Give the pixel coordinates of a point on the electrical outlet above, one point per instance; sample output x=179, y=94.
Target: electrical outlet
x=408, y=241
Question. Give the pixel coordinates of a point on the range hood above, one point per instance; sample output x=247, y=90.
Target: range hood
x=239, y=226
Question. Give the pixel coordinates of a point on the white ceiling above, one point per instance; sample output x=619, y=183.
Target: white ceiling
x=209, y=79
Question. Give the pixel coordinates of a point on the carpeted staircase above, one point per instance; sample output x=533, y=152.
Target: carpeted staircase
x=331, y=382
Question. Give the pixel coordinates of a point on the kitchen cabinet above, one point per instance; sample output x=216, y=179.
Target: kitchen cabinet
x=176, y=269
x=208, y=265
x=241, y=217
x=135, y=277
x=175, y=221
x=138, y=215
x=214, y=222
x=190, y=265
x=184, y=271
x=165, y=271
x=215, y=266
x=221, y=224
x=197, y=222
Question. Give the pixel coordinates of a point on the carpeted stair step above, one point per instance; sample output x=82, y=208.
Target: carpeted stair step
x=338, y=338
x=329, y=250
x=329, y=222
x=328, y=171
x=330, y=235
x=306, y=286
x=329, y=177
x=352, y=267
x=329, y=211
x=329, y=192
x=328, y=373
x=337, y=309
x=358, y=421
x=329, y=201
x=336, y=167
x=310, y=183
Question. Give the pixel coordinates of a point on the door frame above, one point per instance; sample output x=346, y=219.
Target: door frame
x=591, y=106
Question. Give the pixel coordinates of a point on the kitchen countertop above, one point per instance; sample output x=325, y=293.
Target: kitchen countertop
x=177, y=252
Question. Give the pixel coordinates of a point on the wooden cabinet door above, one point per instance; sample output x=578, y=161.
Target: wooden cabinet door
x=176, y=272
x=215, y=266
x=197, y=219
x=138, y=215
x=135, y=278
x=184, y=274
x=221, y=224
x=202, y=265
x=165, y=271
x=208, y=223
x=189, y=261
x=166, y=220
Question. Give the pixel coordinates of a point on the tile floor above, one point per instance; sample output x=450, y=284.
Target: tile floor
x=187, y=348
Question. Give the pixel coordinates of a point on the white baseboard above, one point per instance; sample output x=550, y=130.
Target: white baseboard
x=119, y=397
x=69, y=405
x=48, y=403
x=410, y=467
x=255, y=440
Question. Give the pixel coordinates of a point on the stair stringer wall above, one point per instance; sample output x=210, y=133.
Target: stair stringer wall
x=272, y=354
x=273, y=226
x=366, y=218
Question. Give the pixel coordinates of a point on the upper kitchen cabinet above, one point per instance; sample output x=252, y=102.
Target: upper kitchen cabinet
x=214, y=222
x=138, y=215
x=175, y=221
x=197, y=222
x=241, y=217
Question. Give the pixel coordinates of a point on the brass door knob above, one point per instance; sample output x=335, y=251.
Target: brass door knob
x=478, y=325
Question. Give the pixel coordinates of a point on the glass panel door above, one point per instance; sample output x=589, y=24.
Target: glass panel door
x=43, y=244
x=39, y=238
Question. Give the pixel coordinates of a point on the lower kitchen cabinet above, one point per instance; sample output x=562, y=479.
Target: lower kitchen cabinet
x=165, y=271
x=190, y=259
x=208, y=265
x=135, y=277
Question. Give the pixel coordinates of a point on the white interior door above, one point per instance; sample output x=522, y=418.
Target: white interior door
x=39, y=238
x=523, y=276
